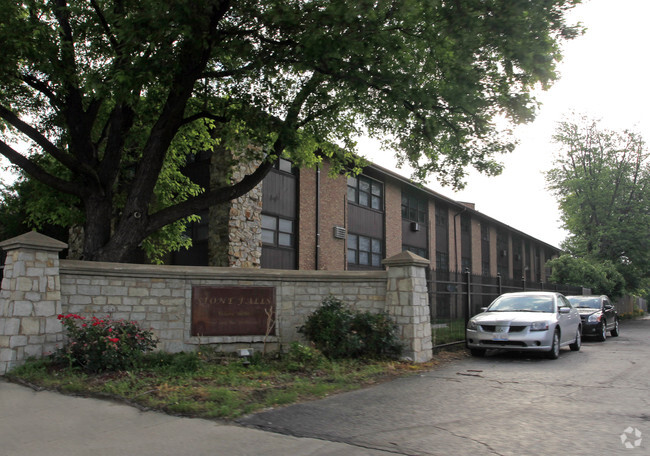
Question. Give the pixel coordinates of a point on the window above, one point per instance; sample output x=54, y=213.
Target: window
x=366, y=192
x=417, y=250
x=364, y=251
x=199, y=230
x=442, y=261
x=466, y=264
x=485, y=268
x=441, y=216
x=485, y=233
x=284, y=165
x=414, y=208
x=465, y=224
x=277, y=231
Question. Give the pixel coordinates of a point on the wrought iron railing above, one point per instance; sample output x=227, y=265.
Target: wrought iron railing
x=454, y=297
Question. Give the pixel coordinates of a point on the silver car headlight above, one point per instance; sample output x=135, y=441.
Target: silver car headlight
x=472, y=325
x=594, y=317
x=539, y=326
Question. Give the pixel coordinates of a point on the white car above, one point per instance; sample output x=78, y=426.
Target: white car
x=526, y=321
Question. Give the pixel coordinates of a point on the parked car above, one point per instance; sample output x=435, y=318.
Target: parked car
x=526, y=321
x=598, y=315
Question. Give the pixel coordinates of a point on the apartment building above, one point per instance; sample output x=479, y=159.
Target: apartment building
x=304, y=219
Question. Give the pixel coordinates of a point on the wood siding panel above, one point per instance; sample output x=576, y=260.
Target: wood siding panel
x=367, y=222
x=279, y=194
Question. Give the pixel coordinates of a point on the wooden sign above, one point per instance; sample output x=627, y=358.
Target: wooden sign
x=233, y=311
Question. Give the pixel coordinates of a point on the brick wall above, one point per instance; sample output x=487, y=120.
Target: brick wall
x=393, y=218
x=307, y=219
x=333, y=197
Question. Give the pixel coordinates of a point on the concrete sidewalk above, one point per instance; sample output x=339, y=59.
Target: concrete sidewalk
x=45, y=423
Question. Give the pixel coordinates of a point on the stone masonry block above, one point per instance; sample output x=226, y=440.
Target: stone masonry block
x=17, y=341
x=80, y=300
x=44, y=309
x=35, y=351
x=30, y=326
x=91, y=290
x=7, y=355
x=138, y=292
x=53, y=326
x=23, y=308
x=24, y=284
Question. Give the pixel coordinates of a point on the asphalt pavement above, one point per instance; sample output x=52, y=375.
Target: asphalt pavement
x=594, y=401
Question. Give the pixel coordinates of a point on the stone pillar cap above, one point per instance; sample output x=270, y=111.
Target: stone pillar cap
x=406, y=258
x=35, y=241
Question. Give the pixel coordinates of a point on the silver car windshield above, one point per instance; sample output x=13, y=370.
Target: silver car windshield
x=522, y=304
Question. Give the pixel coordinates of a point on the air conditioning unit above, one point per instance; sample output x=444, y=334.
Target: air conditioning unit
x=339, y=232
x=415, y=226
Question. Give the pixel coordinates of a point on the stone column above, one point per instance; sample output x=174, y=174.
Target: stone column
x=30, y=299
x=235, y=238
x=407, y=302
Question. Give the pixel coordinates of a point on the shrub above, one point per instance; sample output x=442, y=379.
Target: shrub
x=303, y=357
x=339, y=332
x=103, y=344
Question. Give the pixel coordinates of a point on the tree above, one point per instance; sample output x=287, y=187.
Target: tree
x=106, y=89
x=601, y=179
x=600, y=277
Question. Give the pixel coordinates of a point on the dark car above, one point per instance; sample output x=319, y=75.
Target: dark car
x=598, y=315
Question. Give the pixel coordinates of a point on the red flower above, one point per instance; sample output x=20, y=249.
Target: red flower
x=114, y=339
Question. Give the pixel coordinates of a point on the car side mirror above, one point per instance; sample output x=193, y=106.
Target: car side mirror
x=608, y=307
x=565, y=310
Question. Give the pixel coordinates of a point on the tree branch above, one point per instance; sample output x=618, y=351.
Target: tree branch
x=227, y=73
x=43, y=142
x=107, y=29
x=39, y=173
x=210, y=198
x=40, y=86
x=204, y=115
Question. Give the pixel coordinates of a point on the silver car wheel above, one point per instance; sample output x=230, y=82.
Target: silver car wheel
x=554, y=352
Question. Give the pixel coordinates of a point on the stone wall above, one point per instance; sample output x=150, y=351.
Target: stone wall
x=30, y=299
x=235, y=233
x=37, y=286
x=159, y=297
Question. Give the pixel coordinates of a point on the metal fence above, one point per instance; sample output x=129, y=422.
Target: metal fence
x=455, y=297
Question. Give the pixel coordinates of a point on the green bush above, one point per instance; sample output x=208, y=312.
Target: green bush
x=103, y=344
x=339, y=332
x=303, y=357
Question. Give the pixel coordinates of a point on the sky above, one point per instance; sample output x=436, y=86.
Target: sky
x=605, y=75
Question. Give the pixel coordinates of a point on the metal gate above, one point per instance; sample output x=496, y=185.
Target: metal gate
x=454, y=297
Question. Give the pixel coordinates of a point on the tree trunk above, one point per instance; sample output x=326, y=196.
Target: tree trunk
x=97, y=230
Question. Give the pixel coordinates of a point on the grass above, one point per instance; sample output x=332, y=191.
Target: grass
x=448, y=330
x=218, y=386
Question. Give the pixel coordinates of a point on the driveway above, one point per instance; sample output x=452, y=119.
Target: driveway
x=595, y=401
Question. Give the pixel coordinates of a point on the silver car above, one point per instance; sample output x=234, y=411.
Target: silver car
x=526, y=321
